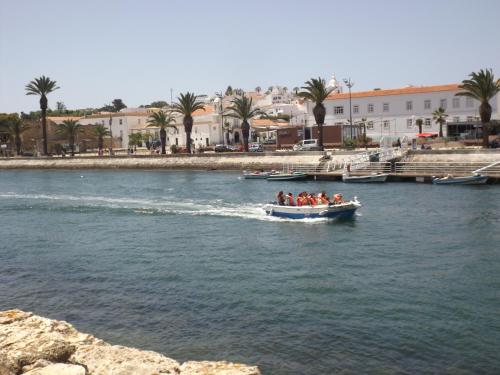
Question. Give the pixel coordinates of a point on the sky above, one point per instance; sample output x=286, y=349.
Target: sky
x=99, y=50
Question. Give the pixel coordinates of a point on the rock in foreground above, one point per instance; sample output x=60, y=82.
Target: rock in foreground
x=34, y=345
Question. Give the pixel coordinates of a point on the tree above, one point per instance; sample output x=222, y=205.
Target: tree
x=258, y=89
x=242, y=109
x=69, y=129
x=229, y=91
x=60, y=106
x=285, y=89
x=419, y=123
x=163, y=121
x=439, y=116
x=42, y=86
x=238, y=92
x=135, y=139
x=118, y=105
x=315, y=90
x=100, y=131
x=482, y=87
x=187, y=104
x=270, y=89
x=296, y=90
x=14, y=127
x=158, y=104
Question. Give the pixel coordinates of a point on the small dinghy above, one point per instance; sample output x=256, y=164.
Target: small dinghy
x=341, y=210
x=286, y=176
x=475, y=179
x=247, y=175
x=374, y=177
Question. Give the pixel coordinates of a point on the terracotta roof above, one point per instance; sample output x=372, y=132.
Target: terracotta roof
x=268, y=122
x=60, y=119
x=208, y=110
x=400, y=91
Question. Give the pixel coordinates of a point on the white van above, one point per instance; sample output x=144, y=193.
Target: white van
x=307, y=145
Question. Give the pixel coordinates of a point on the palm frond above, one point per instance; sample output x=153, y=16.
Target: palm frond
x=315, y=90
x=481, y=86
x=242, y=108
x=161, y=120
x=187, y=104
x=41, y=86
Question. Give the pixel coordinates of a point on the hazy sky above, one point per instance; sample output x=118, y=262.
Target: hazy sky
x=138, y=50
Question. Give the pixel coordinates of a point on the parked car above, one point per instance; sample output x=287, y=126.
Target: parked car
x=307, y=145
x=221, y=148
x=255, y=147
x=235, y=148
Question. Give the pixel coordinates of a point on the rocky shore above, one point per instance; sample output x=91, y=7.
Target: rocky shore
x=31, y=344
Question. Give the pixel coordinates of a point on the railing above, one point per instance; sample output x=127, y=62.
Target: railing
x=363, y=160
x=372, y=167
x=444, y=168
x=310, y=168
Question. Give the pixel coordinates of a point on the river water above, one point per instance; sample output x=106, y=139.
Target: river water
x=187, y=264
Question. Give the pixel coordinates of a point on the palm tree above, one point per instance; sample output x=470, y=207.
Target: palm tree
x=69, y=128
x=316, y=91
x=242, y=109
x=42, y=86
x=14, y=127
x=419, y=122
x=100, y=131
x=439, y=115
x=482, y=87
x=163, y=121
x=187, y=104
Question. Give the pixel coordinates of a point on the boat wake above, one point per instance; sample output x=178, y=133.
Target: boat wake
x=160, y=206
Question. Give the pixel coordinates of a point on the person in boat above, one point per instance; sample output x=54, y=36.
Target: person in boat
x=324, y=198
x=311, y=200
x=290, y=200
x=337, y=198
x=281, y=198
x=300, y=199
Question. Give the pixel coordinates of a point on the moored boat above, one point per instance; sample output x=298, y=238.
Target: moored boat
x=374, y=177
x=257, y=175
x=341, y=210
x=286, y=176
x=475, y=179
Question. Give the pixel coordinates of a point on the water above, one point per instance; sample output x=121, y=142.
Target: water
x=187, y=264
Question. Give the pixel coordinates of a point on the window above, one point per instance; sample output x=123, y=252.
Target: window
x=409, y=123
x=103, y=122
x=370, y=108
x=456, y=119
x=338, y=110
x=442, y=103
x=386, y=107
x=456, y=103
x=121, y=122
x=214, y=127
x=470, y=118
x=427, y=123
x=469, y=102
x=386, y=124
x=409, y=105
x=369, y=125
x=139, y=121
x=355, y=109
x=177, y=141
x=121, y=134
x=427, y=104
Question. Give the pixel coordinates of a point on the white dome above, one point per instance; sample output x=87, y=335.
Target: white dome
x=333, y=82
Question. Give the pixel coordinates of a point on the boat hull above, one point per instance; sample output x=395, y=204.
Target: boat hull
x=255, y=176
x=344, y=210
x=468, y=180
x=369, y=178
x=287, y=176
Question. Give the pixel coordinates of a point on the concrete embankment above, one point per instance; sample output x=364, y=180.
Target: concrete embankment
x=237, y=161
x=34, y=345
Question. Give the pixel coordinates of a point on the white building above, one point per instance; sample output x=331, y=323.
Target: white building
x=393, y=113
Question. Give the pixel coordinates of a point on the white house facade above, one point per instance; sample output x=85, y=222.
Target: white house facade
x=393, y=113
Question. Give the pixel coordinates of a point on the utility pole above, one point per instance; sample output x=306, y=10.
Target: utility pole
x=111, y=136
x=349, y=84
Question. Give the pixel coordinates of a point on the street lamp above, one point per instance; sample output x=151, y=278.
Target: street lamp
x=349, y=84
x=221, y=112
x=111, y=136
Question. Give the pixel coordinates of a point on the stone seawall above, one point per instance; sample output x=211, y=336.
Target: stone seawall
x=33, y=345
x=205, y=161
